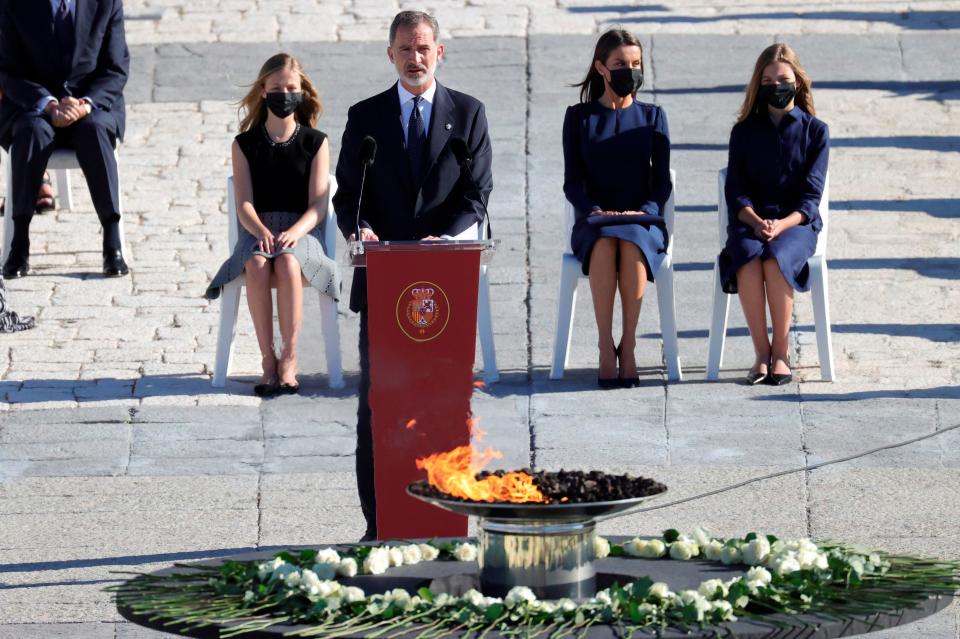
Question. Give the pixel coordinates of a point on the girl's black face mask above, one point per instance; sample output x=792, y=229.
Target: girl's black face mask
x=777, y=95
x=282, y=104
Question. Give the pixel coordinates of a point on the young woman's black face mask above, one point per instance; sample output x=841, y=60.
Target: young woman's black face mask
x=625, y=81
x=282, y=104
x=777, y=95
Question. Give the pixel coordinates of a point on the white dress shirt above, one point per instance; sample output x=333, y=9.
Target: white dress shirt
x=71, y=7
x=406, y=106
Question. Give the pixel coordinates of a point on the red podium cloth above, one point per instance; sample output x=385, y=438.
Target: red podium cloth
x=422, y=323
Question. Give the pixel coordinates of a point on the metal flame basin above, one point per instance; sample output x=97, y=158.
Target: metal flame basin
x=548, y=548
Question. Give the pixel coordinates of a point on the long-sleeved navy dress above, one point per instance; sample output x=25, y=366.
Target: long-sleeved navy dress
x=776, y=170
x=617, y=160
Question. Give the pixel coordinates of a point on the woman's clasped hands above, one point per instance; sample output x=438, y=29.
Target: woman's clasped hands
x=616, y=213
x=768, y=230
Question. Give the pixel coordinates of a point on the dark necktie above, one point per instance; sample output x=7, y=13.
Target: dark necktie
x=416, y=141
x=64, y=31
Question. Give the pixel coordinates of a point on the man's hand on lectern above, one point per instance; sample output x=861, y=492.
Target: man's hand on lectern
x=431, y=238
x=366, y=235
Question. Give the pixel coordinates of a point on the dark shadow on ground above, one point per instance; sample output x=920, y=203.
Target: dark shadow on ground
x=127, y=560
x=935, y=207
x=937, y=392
x=946, y=333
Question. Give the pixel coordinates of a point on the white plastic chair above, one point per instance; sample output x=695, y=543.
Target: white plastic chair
x=570, y=274
x=61, y=163
x=818, y=288
x=491, y=374
x=230, y=300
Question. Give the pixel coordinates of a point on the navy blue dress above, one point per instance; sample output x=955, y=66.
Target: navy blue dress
x=617, y=160
x=776, y=170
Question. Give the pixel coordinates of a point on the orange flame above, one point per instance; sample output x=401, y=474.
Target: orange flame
x=411, y=424
x=455, y=473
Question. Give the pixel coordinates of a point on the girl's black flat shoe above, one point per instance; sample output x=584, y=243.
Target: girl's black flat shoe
x=629, y=382
x=288, y=389
x=755, y=377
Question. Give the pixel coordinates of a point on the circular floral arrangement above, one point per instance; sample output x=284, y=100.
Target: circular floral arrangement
x=786, y=577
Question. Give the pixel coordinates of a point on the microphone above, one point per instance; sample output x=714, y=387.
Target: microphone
x=368, y=153
x=460, y=150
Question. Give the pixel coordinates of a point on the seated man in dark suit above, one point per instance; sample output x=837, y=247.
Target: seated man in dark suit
x=415, y=190
x=63, y=66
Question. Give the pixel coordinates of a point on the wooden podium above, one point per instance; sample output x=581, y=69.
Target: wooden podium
x=422, y=319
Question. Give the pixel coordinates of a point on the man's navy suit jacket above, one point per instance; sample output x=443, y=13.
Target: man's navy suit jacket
x=393, y=207
x=30, y=66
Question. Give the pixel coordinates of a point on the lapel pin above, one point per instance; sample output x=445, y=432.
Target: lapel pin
x=447, y=126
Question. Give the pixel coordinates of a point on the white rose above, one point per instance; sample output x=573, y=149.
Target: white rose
x=490, y=601
x=654, y=549
x=443, y=599
x=603, y=598
x=473, y=597
x=248, y=596
x=713, y=550
x=266, y=569
x=352, y=594
x=328, y=588
x=292, y=579
x=396, y=556
x=785, y=565
x=856, y=563
x=660, y=590
x=756, y=552
x=519, y=595
x=684, y=550
x=334, y=603
x=702, y=536
x=710, y=587
x=328, y=556
x=465, y=552
x=730, y=555
x=310, y=582
x=376, y=562
x=428, y=552
x=347, y=567
x=635, y=547
x=807, y=558
x=325, y=571
x=411, y=554
x=400, y=598
x=601, y=547
x=566, y=605
x=283, y=571
x=648, y=610
x=759, y=575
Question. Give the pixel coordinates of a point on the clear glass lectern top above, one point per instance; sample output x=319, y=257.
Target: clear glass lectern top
x=357, y=251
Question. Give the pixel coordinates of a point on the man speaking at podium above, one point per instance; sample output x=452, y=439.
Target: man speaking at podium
x=397, y=145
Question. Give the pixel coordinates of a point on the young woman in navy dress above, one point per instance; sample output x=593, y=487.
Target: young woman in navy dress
x=775, y=178
x=616, y=154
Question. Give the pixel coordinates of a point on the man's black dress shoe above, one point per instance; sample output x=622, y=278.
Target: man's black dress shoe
x=113, y=264
x=370, y=535
x=17, y=265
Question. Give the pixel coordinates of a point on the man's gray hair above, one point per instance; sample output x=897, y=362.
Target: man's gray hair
x=411, y=19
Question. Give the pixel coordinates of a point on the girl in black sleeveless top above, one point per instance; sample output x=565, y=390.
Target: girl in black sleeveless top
x=281, y=168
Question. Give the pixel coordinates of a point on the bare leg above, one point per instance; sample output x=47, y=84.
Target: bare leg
x=257, y=273
x=752, y=299
x=632, y=283
x=289, y=313
x=780, y=299
x=603, y=287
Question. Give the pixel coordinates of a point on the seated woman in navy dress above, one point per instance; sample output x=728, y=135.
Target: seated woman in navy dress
x=616, y=154
x=775, y=177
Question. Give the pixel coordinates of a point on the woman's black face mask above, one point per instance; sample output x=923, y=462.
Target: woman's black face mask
x=282, y=104
x=625, y=81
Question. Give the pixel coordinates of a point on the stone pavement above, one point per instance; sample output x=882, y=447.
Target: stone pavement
x=115, y=453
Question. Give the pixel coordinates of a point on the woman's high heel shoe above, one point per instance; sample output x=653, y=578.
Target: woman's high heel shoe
x=610, y=382
x=627, y=382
